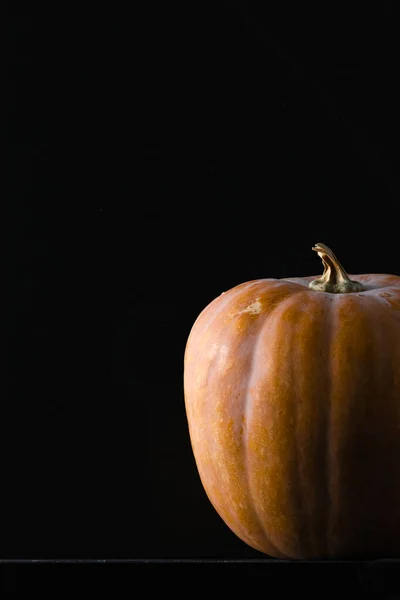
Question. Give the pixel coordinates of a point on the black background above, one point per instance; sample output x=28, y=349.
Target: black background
x=157, y=157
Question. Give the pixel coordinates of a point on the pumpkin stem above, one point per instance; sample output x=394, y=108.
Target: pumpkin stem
x=334, y=278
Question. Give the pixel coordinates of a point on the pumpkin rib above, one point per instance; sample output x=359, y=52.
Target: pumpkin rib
x=280, y=306
x=348, y=319
x=300, y=339
x=218, y=327
x=296, y=401
x=295, y=501
x=237, y=312
x=357, y=423
x=312, y=456
x=246, y=412
x=326, y=500
x=288, y=312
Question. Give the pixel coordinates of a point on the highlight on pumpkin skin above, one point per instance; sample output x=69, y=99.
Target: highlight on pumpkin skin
x=334, y=278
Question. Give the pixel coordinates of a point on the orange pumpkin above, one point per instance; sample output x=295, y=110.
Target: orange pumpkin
x=292, y=395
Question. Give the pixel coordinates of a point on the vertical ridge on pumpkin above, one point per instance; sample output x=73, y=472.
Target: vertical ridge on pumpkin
x=247, y=411
x=295, y=401
x=355, y=428
x=329, y=327
x=221, y=468
x=310, y=339
x=293, y=395
x=378, y=435
x=267, y=442
x=289, y=339
x=230, y=387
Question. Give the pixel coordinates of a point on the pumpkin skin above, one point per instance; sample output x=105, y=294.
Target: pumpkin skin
x=292, y=398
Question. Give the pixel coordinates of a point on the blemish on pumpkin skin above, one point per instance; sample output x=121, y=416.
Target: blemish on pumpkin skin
x=242, y=426
x=255, y=308
x=390, y=299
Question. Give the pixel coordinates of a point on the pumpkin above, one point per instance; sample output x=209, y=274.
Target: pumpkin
x=292, y=398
